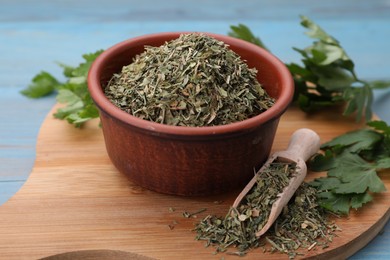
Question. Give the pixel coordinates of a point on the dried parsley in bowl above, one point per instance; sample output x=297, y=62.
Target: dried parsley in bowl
x=194, y=80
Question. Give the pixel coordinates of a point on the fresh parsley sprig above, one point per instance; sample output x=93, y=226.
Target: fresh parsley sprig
x=352, y=161
x=327, y=76
x=73, y=92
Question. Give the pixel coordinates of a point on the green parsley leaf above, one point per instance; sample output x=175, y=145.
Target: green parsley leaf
x=381, y=126
x=74, y=103
x=356, y=175
x=353, y=174
x=382, y=150
x=67, y=70
x=352, y=162
x=335, y=203
x=324, y=162
x=358, y=200
x=241, y=31
x=324, y=184
x=333, y=73
x=356, y=141
x=42, y=84
x=342, y=203
x=379, y=84
x=316, y=31
x=383, y=163
x=79, y=107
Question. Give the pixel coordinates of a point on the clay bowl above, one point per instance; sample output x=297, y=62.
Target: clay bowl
x=189, y=160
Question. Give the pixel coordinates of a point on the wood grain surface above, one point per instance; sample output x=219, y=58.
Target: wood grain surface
x=75, y=200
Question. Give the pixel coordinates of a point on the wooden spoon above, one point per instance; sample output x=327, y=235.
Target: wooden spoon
x=303, y=144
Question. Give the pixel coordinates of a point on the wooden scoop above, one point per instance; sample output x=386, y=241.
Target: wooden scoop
x=303, y=144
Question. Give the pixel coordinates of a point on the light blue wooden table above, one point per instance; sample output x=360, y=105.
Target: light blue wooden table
x=34, y=34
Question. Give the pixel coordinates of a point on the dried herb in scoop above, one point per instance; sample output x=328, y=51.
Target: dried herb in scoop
x=240, y=225
x=302, y=224
x=194, y=80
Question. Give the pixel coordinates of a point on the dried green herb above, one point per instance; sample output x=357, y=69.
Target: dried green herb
x=258, y=202
x=194, y=80
x=302, y=224
x=240, y=225
x=193, y=214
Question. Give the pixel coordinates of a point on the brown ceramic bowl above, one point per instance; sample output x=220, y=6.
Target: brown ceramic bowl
x=189, y=160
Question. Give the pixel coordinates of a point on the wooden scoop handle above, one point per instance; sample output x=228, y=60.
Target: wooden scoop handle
x=303, y=144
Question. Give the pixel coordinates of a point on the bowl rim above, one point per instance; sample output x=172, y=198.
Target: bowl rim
x=104, y=104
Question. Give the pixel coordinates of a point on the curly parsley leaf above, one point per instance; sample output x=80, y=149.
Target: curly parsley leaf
x=79, y=107
x=352, y=162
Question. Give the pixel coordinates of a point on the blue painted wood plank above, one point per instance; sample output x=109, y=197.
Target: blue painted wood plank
x=7, y=188
x=176, y=10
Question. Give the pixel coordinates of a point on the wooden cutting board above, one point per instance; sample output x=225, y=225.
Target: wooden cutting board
x=75, y=200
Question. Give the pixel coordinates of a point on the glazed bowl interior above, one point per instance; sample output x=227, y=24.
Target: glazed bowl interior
x=195, y=160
